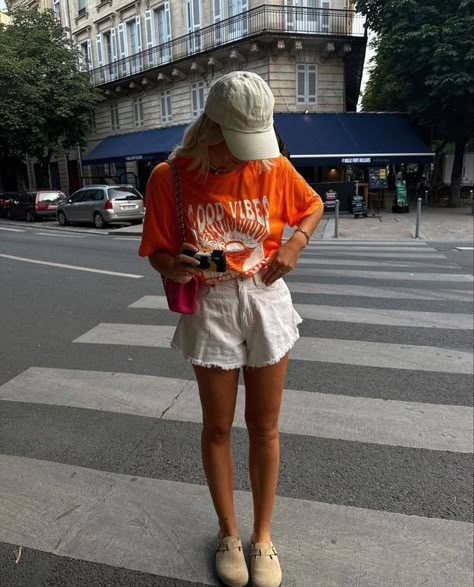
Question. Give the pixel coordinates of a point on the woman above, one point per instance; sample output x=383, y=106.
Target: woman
x=238, y=194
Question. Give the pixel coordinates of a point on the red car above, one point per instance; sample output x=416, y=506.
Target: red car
x=35, y=205
x=5, y=198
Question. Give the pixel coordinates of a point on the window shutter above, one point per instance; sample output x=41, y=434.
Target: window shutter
x=90, y=64
x=100, y=55
x=149, y=37
x=122, y=45
x=139, y=33
x=325, y=17
x=300, y=83
x=311, y=77
x=290, y=15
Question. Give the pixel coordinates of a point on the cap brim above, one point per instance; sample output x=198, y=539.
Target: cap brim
x=252, y=146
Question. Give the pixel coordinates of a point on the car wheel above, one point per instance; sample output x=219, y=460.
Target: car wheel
x=30, y=217
x=99, y=221
x=62, y=219
x=9, y=215
x=137, y=221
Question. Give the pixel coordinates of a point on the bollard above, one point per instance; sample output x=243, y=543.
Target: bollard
x=336, y=220
x=426, y=196
x=418, y=218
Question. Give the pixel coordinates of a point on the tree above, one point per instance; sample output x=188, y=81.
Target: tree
x=424, y=65
x=46, y=99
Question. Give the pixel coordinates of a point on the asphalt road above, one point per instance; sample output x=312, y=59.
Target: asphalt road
x=376, y=474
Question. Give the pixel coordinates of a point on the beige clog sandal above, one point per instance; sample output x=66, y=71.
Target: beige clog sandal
x=265, y=566
x=231, y=567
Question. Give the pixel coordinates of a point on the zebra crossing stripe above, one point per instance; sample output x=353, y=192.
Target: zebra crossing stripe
x=327, y=350
x=144, y=524
x=385, y=275
x=350, y=418
x=408, y=293
x=379, y=255
x=387, y=263
x=355, y=315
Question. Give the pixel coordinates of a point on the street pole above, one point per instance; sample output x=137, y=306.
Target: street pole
x=336, y=220
x=418, y=217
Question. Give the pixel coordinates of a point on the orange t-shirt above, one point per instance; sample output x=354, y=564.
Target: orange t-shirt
x=242, y=212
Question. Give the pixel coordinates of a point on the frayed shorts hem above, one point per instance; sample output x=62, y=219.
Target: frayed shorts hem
x=229, y=367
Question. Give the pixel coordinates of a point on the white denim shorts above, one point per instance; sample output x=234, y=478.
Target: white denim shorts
x=240, y=322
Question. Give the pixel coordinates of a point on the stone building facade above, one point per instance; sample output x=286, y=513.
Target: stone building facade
x=155, y=60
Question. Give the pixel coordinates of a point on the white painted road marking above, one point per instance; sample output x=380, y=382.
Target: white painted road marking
x=356, y=315
x=61, y=235
x=143, y=524
x=404, y=293
x=74, y=267
x=327, y=350
x=357, y=419
x=385, y=275
x=12, y=229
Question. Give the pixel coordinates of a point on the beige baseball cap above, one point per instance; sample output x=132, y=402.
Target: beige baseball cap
x=241, y=102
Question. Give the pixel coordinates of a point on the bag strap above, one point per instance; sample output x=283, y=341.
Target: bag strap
x=178, y=195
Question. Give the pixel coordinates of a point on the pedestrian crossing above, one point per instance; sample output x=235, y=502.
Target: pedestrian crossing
x=375, y=484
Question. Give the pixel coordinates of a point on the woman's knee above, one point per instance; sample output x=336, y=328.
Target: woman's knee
x=262, y=431
x=217, y=433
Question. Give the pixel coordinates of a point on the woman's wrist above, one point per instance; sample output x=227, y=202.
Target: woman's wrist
x=298, y=239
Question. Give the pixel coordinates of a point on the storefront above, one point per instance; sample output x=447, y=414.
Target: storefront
x=352, y=152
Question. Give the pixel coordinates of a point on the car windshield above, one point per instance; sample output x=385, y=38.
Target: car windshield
x=124, y=193
x=52, y=197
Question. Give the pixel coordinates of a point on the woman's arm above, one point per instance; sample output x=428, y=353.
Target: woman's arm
x=284, y=260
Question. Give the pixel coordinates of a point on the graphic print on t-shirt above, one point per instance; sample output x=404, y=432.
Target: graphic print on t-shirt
x=239, y=228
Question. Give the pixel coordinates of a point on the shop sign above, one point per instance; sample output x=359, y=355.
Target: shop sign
x=356, y=160
x=134, y=158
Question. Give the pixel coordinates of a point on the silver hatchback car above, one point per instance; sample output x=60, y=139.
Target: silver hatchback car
x=101, y=205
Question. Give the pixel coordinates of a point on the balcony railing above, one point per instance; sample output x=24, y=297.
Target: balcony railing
x=281, y=20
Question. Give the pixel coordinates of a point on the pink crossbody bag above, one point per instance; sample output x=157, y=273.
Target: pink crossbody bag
x=181, y=297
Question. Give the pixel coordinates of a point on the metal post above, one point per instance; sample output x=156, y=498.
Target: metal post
x=426, y=196
x=418, y=218
x=336, y=220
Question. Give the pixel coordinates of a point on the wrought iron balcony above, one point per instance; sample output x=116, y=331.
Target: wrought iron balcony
x=264, y=20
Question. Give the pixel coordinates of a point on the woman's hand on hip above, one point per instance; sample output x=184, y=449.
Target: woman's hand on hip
x=282, y=262
x=184, y=266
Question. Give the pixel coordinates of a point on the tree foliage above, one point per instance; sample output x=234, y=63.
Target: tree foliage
x=424, y=65
x=46, y=99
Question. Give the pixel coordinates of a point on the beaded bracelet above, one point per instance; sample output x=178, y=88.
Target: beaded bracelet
x=308, y=236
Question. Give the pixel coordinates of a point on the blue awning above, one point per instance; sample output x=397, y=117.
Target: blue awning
x=146, y=144
x=350, y=138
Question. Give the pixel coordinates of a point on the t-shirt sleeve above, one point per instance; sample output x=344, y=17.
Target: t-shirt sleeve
x=160, y=227
x=300, y=200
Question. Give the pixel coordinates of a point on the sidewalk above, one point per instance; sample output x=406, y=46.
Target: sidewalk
x=437, y=224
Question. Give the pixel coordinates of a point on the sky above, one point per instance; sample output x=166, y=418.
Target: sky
x=2, y=5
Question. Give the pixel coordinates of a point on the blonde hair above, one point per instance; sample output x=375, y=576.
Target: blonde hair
x=198, y=137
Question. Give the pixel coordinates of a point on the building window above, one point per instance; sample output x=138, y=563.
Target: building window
x=114, y=116
x=135, y=43
x=86, y=49
x=57, y=9
x=197, y=98
x=81, y=7
x=239, y=25
x=306, y=83
x=193, y=18
x=138, y=111
x=166, y=115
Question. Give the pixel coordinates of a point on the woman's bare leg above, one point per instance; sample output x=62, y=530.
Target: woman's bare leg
x=264, y=387
x=218, y=393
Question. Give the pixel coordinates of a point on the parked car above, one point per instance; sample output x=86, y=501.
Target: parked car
x=101, y=205
x=35, y=205
x=5, y=199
